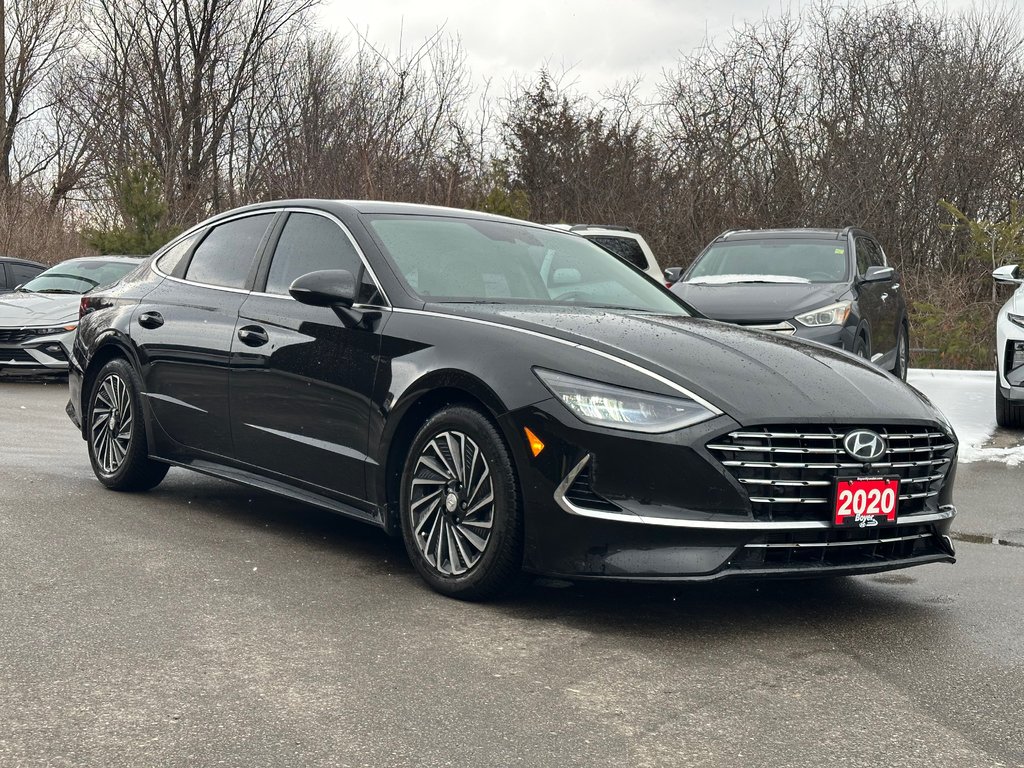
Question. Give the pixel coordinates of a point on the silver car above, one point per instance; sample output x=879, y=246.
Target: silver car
x=38, y=321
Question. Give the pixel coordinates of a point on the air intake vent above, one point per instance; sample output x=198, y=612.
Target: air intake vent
x=581, y=494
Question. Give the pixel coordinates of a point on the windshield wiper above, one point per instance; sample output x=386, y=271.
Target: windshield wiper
x=59, y=290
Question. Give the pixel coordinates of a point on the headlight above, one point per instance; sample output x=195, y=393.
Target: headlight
x=605, y=405
x=54, y=331
x=1016, y=319
x=833, y=314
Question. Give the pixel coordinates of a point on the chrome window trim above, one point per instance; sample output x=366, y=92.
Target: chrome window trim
x=576, y=345
x=355, y=246
x=275, y=211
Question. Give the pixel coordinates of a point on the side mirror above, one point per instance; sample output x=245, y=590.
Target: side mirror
x=878, y=274
x=326, y=288
x=1009, y=274
x=672, y=275
x=566, y=276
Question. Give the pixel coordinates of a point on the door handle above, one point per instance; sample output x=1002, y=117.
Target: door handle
x=253, y=336
x=151, y=319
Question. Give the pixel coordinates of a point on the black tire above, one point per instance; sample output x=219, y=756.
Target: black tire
x=116, y=431
x=902, y=364
x=1007, y=414
x=860, y=348
x=444, y=543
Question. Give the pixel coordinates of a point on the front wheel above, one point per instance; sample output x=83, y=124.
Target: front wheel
x=1007, y=413
x=902, y=364
x=116, y=431
x=460, y=508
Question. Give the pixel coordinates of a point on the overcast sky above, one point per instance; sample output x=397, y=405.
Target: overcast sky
x=602, y=41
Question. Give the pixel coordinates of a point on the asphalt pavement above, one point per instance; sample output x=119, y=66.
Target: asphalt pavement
x=206, y=624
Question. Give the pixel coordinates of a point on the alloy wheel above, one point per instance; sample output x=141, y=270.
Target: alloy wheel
x=452, y=503
x=112, y=423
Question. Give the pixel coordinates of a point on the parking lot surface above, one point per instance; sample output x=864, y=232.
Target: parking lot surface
x=208, y=624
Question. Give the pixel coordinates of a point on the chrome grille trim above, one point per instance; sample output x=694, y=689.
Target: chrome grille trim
x=943, y=513
x=786, y=468
x=784, y=328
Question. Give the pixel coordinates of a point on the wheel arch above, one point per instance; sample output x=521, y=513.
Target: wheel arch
x=108, y=347
x=429, y=395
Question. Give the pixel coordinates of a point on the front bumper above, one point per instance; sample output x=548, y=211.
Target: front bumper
x=24, y=352
x=608, y=504
x=1010, y=358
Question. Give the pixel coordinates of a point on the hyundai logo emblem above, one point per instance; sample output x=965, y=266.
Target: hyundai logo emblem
x=864, y=445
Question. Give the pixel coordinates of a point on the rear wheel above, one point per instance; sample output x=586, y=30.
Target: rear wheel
x=460, y=508
x=116, y=431
x=1007, y=413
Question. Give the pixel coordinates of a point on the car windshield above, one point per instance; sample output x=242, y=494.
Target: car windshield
x=775, y=260
x=78, y=276
x=474, y=260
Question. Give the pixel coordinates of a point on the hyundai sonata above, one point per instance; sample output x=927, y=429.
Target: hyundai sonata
x=507, y=398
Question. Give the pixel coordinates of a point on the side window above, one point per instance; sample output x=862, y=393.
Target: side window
x=863, y=259
x=310, y=243
x=624, y=247
x=20, y=273
x=226, y=254
x=875, y=255
x=171, y=258
x=4, y=284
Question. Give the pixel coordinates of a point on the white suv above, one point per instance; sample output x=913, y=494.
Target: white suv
x=623, y=242
x=1010, y=351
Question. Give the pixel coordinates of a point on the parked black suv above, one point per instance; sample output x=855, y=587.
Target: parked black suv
x=827, y=285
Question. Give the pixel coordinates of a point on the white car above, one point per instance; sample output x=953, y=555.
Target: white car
x=623, y=242
x=38, y=320
x=1010, y=351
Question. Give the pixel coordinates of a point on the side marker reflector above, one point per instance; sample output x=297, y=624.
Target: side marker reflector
x=536, y=446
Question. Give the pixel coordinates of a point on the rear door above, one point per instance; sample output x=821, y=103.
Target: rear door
x=183, y=331
x=301, y=379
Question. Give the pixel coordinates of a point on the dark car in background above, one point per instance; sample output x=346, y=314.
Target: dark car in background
x=15, y=272
x=505, y=397
x=38, y=321
x=832, y=286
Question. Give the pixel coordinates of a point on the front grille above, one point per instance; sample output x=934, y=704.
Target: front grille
x=21, y=335
x=15, y=355
x=838, y=547
x=790, y=472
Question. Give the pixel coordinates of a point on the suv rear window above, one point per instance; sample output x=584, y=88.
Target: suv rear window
x=624, y=247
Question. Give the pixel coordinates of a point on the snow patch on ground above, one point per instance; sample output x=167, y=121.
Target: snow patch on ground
x=967, y=398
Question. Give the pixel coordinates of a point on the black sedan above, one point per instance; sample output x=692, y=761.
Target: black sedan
x=507, y=398
x=833, y=286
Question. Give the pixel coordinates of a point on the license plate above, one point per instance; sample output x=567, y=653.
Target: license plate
x=866, y=501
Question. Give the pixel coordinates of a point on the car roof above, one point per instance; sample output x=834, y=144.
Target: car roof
x=793, y=233
x=16, y=260
x=371, y=207
x=114, y=257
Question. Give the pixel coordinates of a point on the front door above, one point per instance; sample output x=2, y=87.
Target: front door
x=301, y=379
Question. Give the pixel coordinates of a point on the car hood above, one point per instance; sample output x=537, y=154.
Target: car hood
x=753, y=376
x=21, y=309
x=758, y=302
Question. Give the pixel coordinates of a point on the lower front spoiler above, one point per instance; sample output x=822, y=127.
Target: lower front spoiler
x=804, y=572
x=605, y=550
